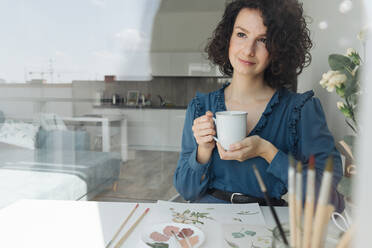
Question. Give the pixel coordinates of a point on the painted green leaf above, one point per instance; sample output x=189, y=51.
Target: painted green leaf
x=237, y=235
x=231, y=244
x=251, y=233
x=158, y=245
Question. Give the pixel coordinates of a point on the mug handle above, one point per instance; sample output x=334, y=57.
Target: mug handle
x=345, y=223
x=215, y=124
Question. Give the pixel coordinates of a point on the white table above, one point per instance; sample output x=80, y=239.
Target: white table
x=105, y=126
x=46, y=223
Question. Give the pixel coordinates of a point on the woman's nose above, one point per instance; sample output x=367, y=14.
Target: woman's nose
x=249, y=48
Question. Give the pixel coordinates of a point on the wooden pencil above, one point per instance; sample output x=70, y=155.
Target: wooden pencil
x=299, y=205
x=292, y=200
x=309, y=203
x=267, y=199
x=122, y=225
x=321, y=208
x=130, y=230
x=186, y=239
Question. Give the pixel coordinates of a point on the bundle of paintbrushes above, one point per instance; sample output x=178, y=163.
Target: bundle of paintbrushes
x=308, y=228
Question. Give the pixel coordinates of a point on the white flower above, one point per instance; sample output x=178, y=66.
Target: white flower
x=330, y=88
x=329, y=74
x=323, y=82
x=325, y=77
x=337, y=80
x=332, y=79
x=350, y=51
x=340, y=105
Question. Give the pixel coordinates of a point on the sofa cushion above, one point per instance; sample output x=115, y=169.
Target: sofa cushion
x=19, y=133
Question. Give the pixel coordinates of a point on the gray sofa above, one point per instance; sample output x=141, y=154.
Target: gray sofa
x=62, y=140
x=61, y=167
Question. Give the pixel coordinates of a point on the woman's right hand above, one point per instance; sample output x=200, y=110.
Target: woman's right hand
x=204, y=130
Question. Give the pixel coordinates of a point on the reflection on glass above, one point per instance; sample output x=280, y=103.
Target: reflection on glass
x=53, y=145
x=323, y=25
x=69, y=40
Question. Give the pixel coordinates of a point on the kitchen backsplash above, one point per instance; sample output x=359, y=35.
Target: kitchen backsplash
x=177, y=91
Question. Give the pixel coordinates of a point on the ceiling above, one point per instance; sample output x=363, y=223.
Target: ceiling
x=191, y=5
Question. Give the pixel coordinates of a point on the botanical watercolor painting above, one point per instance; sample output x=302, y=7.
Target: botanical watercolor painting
x=200, y=214
x=189, y=217
x=212, y=220
x=247, y=236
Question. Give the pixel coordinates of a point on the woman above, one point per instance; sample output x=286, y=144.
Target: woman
x=263, y=45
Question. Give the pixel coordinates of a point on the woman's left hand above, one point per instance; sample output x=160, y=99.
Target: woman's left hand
x=250, y=147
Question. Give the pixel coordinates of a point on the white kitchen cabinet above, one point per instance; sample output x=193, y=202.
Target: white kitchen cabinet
x=151, y=129
x=182, y=64
x=176, y=121
x=160, y=64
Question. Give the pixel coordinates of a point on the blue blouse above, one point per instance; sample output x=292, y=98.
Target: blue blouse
x=294, y=123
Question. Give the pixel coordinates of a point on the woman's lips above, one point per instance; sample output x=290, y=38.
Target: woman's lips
x=246, y=62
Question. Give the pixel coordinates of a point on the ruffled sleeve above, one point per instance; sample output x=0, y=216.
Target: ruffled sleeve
x=188, y=175
x=295, y=118
x=309, y=135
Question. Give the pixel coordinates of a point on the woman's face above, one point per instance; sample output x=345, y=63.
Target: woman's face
x=247, y=51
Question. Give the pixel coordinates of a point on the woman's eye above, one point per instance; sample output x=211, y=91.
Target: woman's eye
x=263, y=40
x=240, y=34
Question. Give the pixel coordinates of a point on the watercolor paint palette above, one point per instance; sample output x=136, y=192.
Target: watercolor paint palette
x=160, y=236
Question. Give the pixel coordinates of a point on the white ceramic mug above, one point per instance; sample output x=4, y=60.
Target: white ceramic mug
x=231, y=127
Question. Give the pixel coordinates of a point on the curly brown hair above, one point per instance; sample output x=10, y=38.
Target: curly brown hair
x=287, y=39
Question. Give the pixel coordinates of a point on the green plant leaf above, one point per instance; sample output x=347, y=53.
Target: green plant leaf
x=341, y=90
x=339, y=62
x=355, y=58
x=353, y=100
x=351, y=86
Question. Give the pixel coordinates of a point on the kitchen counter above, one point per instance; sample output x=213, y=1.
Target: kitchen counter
x=152, y=128
x=138, y=107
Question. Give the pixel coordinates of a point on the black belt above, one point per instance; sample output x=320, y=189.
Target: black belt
x=241, y=198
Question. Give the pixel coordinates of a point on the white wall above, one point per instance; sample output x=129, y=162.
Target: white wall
x=26, y=101
x=183, y=31
x=340, y=35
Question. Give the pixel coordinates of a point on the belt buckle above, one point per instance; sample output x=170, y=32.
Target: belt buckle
x=232, y=196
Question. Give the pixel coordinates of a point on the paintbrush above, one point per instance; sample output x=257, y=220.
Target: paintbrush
x=188, y=242
x=309, y=203
x=130, y=230
x=122, y=225
x=177, y=239
x=292, y=200
x=321, y=208
x=267, y=199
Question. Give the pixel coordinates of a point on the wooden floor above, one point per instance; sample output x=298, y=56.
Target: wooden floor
x=146, y=178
